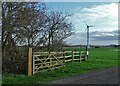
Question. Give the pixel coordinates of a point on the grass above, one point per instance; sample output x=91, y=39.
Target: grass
x=98, y=58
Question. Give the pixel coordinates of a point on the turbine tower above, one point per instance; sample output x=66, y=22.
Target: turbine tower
x=88, y=34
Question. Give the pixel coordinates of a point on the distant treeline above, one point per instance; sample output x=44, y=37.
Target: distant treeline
x=94, y=46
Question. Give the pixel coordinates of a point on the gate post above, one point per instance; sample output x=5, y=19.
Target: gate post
x=30, y=62
x=72, y=56
x=64, y=56
x=80, y=56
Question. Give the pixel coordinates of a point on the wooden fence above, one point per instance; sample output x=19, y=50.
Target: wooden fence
x=42, y=61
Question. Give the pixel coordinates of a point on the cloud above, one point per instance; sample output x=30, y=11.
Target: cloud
x=104, y=35
x=103, y=16
x=106, y=10
x=96, y=38
x=77, y=39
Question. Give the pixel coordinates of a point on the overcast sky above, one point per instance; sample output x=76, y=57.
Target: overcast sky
x=102, y=15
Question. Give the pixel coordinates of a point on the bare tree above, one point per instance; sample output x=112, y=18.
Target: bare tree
x=31, y=32
x=59, y=28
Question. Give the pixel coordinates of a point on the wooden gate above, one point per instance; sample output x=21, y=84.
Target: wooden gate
x=42, y=61
x=47, y=60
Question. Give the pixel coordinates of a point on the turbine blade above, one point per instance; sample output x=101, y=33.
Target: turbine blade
x=91, y=26
x=84, y=20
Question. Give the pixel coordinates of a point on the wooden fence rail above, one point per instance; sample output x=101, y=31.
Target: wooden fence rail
x=42, y=61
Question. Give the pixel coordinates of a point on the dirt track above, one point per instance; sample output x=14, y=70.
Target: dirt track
x=105, y=76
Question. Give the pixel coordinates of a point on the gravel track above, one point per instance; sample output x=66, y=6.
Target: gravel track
x=104, y=76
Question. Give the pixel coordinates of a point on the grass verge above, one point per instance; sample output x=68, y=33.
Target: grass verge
x=98, y=58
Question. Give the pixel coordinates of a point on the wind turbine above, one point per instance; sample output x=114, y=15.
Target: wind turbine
x=87, y=46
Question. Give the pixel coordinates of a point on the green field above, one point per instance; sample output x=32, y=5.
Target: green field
x=98, y=58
